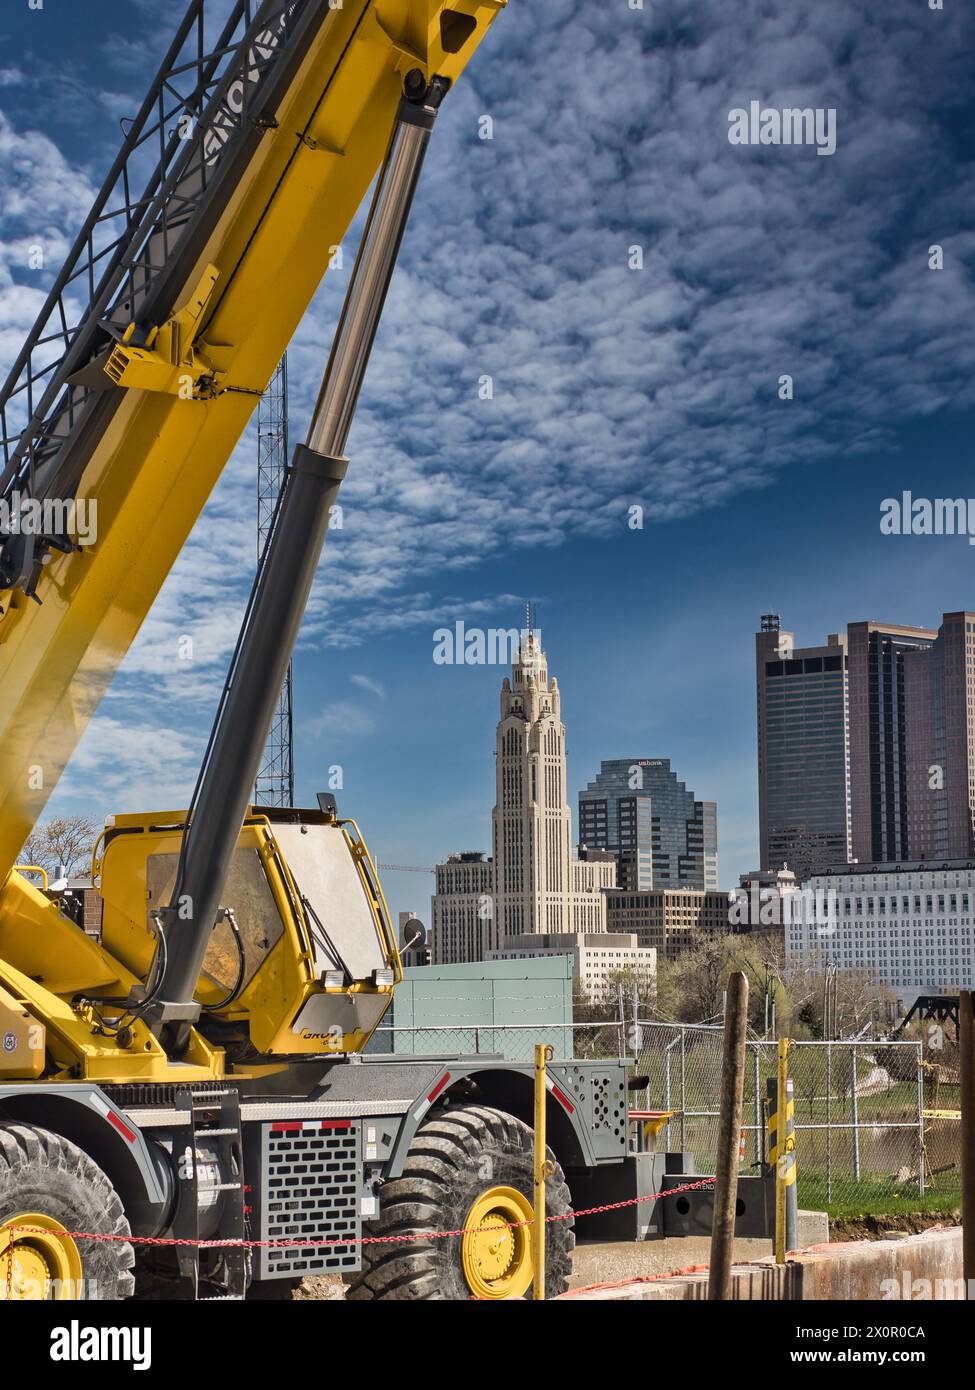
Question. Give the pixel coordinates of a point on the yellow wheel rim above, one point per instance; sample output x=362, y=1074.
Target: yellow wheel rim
x=495, y=1251
x=38, y=1259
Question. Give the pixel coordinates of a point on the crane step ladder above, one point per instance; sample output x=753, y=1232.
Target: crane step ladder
x=208, y=1147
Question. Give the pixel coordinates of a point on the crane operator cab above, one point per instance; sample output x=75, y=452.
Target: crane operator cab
x=302, y=958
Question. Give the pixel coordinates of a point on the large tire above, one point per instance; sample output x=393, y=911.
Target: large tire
x=455, y=1159
x=49, y=1177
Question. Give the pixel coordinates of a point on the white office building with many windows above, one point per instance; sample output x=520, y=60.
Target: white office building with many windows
x=911, y=926
x=600, y=960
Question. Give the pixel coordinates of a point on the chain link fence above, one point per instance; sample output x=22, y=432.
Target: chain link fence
x=867, y=1139
x=875, y=1122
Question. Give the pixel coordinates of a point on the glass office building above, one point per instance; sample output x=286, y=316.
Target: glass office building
x=865, y=746
x=661, y=835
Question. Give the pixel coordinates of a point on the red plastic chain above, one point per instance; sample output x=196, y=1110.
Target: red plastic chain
x=311, y=1243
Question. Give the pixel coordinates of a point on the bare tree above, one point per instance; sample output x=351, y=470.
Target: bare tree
x=691, y=987
x=65, y=841
x=858, y=997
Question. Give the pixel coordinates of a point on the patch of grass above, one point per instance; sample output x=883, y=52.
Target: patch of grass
x=874, y=1197
x=896, y=1104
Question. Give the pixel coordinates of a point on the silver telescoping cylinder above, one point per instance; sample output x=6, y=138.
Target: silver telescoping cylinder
x=285, y=577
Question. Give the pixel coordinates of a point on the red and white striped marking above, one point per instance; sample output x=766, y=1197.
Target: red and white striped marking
x=559, y=1095
x=115, y=1120
x=424, y=1105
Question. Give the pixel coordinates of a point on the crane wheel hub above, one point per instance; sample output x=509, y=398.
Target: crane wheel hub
x=39, y=1259
x=496, y=1251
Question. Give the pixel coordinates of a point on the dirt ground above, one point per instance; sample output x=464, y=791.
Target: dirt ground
x=326, y=1286
x=876, y=1227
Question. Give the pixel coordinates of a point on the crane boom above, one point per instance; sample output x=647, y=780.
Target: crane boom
x=184, y=1039
x=270, y=130
x=285, y=576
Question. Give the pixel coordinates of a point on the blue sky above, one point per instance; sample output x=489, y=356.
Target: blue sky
x=612, y=387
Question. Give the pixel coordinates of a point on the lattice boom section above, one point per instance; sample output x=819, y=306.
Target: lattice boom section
x=311, y=1177
x=206, y=101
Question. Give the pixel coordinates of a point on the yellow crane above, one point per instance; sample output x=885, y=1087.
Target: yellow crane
x=146, y=1064
x=184, y=1092
x=190, y=1027
x=272, y=127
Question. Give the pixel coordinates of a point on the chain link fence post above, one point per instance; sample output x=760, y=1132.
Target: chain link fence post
x=757, y=1080
x=920, y=1120
x=854, y=1115
x=683, y=1089
x=829, y=1120
x=667, y=1104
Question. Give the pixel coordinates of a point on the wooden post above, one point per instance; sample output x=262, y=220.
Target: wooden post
x=729, y=1129
x=966, y=1058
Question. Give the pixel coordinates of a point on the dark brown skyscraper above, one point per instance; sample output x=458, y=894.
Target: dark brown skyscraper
x=939, y=688
x=802, y=750
x=886, y=749
x=878, y=737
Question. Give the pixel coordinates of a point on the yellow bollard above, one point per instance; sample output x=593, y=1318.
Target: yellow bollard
x=542, y=1055
x=783, y=1157
x=779, y=1152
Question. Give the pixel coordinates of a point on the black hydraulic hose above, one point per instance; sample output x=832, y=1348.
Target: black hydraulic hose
x=235, y=989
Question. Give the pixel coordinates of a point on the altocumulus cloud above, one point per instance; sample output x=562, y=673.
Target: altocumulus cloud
x=610, y=386
x=659, y=386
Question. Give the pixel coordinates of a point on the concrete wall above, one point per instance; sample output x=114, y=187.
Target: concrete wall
x=914, y=1268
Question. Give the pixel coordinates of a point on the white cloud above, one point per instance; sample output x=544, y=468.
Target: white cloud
x=338, y=721
x=660, y=387
x=368, y=683
x=150, y=766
